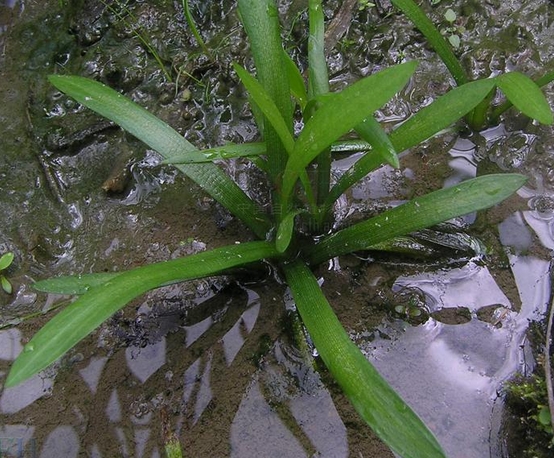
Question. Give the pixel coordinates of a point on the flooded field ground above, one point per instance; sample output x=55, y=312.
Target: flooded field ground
x=216, y=361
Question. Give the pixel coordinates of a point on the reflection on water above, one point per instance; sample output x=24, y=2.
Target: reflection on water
x=199, y=365
x=306, y=418
x=450, y=374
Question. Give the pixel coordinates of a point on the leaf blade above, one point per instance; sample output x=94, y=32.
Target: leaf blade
x=166, y=141
x=261, y=22
x=340, y=113
x=6, y=259
x=526, y=96
x=228, y=151
x=268, y=107
x=84, y=315
x=376, y=402
x=419, y=213
x=73, y=284
x=440, y=114
x=382, y=150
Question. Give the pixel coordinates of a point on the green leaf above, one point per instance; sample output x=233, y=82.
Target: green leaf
x=547, y=78
x=6, y=285
x=371, y=131
x=318, y=83
x=167, y=142
x=80, y=318
x=419, y=213
x=192, y=26
x=526, y=96
x=450, y=15
x=374, y=399
x=228, y=151
x=544, y=417
x=73, y=284
x=442, y=113
x=285, y=231
x=296, y=81
x=340, y=113
x=6, y=260
x=436, y=40
x=454, y=40
x=264, y=102
x=261, y=22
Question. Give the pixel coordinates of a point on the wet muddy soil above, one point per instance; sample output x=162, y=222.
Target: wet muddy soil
x=218, y=361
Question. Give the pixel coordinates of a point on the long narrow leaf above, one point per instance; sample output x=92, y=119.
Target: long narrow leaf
x=80, y=318
x=192, y=25
x=340, y=113
x=296, y=81
x=547, y=78
x=74, y=284
x=253, y=150
x=440, y=114
x=167, y=142
x=526, y=96
x=371, y=131
x=374, y=399
x=428, y=121
x=261, y=22
x=318, y=85
x=436, y=40
x=268, y=107
x=419, y=213
x=228, y=151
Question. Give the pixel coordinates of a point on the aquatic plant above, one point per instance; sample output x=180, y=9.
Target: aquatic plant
x=294, y=236
x=514, y=85
x=6, y=261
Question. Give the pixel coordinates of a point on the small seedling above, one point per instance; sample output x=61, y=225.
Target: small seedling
x=5, y=261
x=453, y=30
x=365, y=5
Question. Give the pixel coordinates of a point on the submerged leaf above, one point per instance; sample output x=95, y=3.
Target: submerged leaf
x=526, y=96
x=374, y=399
x=80, y=318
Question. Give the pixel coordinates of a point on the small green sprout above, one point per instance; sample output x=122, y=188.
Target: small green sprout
x=365, y=5
x=5, y=261
x=450, y=15
x=452, y=30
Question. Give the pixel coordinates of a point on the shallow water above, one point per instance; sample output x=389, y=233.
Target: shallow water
x=209, y=360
